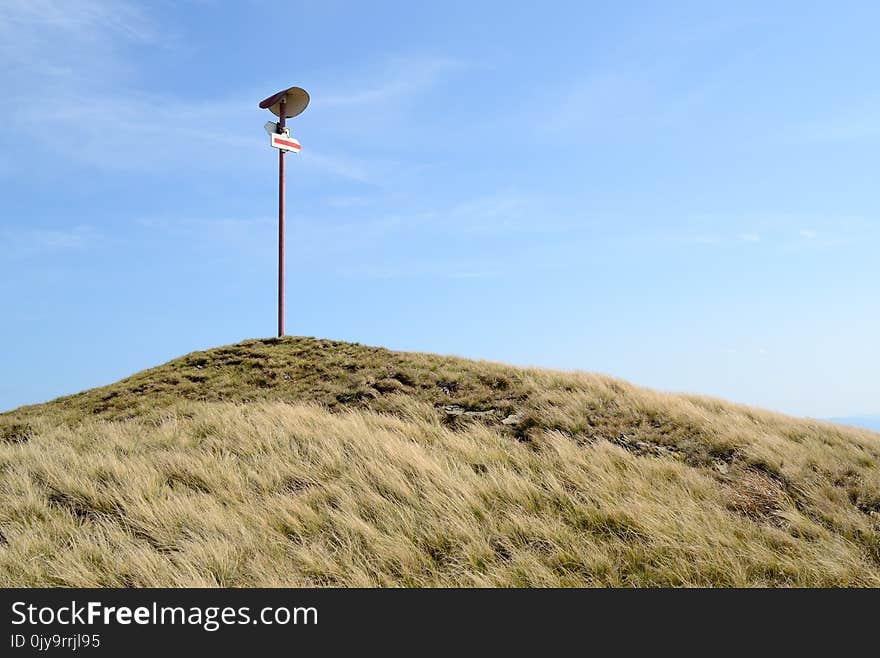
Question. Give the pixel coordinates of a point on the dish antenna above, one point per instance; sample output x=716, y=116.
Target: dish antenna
x=286, y=104
x=295, y=100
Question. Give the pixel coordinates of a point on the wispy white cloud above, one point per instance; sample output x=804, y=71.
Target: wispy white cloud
x=716, y=28
x=361, y=170
x=376, y=109
x=491, y=215
x=68, y=41
x=823, y=240
x=320, y=240
x=453, y=270
x=348, y=201
x=65, y=81
x=711, y=239
x=701, y=239
x=591, y=107
x=502, y=213
x=851, y=124
x=103, y=122
x=143, y=132
x=782, y=232
x=81, y=18
x=134, y=131
x=214, y=228
x=399, y=79
x=28, y=242
x=314, y=237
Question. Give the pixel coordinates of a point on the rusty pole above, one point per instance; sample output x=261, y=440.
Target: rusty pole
x=281, y=125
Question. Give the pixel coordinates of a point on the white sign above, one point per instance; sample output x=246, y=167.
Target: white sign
x=285, y=143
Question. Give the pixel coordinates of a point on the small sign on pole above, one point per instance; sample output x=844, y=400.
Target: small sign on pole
x=286, y=104
x=285, y=143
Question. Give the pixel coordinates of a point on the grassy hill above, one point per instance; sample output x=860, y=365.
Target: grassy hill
x=311, y=462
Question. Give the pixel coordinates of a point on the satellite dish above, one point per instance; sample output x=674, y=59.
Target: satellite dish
x=296, y=100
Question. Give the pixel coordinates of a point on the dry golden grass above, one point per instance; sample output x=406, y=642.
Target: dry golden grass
x=560, y=479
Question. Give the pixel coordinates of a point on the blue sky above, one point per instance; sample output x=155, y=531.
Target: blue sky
x=680, y=194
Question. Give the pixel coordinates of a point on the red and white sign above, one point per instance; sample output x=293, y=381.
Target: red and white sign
x=285, y=143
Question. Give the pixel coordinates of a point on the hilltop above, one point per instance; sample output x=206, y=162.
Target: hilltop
x=311, y=462
x=866, y=422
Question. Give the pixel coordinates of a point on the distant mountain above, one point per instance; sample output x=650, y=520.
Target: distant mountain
x=868, y=422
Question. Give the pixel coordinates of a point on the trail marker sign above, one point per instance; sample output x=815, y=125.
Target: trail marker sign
x=285, y=142
x=286, y=104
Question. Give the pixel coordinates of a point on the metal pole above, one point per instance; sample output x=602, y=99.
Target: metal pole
x=281, y=226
